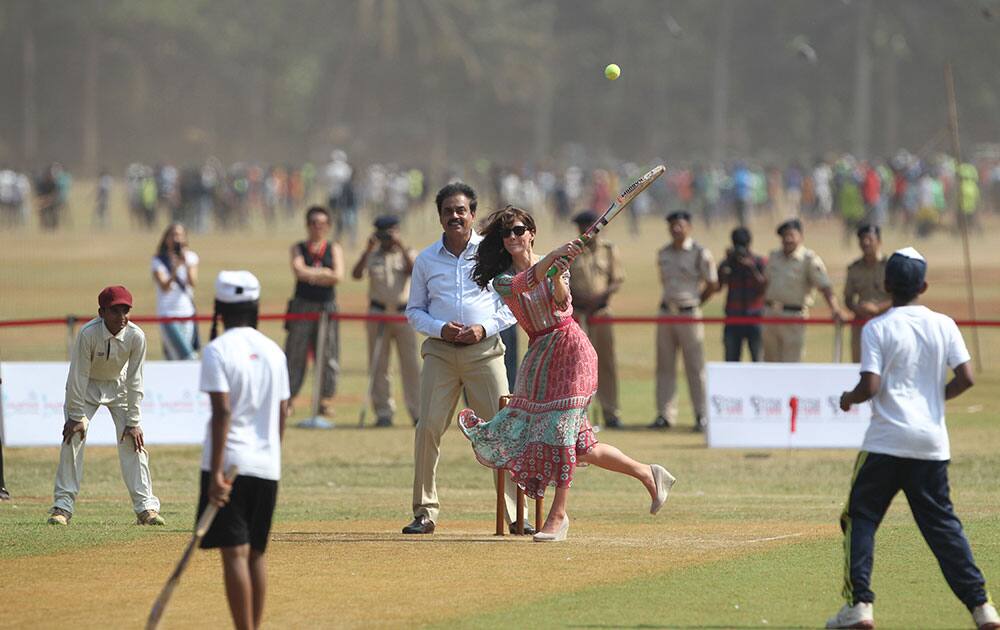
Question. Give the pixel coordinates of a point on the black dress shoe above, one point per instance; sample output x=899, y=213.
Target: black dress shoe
x=611, y=421
x=420, y=525
x=528, y=529
x=661, y=423
x=699, y=424
x=384, y=421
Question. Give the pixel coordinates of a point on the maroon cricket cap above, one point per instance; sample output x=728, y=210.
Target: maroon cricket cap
x=112, y=296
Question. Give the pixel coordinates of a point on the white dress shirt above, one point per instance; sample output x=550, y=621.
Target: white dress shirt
x=442, y=291
x=106, y=369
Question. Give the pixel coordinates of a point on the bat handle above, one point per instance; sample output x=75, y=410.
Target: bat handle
x=553, y=270
x=211, y=509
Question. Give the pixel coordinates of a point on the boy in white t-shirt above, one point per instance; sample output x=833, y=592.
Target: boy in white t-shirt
x=905, y=355
x=246, y=377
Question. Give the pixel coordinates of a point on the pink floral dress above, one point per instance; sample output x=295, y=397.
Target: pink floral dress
x=544, y=427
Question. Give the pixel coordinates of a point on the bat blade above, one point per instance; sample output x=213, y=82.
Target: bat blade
x=200, y=529
x=619, y=204
x=625, y=198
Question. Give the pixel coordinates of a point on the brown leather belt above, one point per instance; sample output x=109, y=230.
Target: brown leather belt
x=677, y=309
x=379, y=306
x=788, y=308
x=463, y=345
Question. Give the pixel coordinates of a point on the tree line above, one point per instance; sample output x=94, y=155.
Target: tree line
x=97, y=83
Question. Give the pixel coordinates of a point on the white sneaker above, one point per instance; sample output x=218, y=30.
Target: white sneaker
x=985, y=617
x=856, y=616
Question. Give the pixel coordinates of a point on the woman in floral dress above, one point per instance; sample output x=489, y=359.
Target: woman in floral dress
x=543, y=432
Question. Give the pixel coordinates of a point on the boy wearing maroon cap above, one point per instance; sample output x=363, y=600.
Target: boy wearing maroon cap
x=106, y=369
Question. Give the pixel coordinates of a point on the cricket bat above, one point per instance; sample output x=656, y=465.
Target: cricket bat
x=617, y=205
x=199, y=532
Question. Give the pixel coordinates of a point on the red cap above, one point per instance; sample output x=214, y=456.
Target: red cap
x=112, y=296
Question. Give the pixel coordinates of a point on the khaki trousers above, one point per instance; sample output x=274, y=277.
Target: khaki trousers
x=447, y=370
x=689, y=339
x=856, y=341
x=602, y=338
x=405, y=338
x=134, y=467
x=784, y=343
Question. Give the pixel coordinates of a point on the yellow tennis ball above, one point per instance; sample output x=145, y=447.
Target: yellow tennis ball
x=612, y=71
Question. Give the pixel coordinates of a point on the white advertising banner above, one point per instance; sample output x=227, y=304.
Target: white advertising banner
x=783, y=405
x=173, y=410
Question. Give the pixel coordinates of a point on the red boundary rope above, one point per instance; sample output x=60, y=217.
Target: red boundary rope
x=378, y=317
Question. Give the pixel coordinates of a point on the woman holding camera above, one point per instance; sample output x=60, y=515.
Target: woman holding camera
x=175, y=272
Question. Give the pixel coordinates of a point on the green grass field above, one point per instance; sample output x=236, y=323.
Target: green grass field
x=748, y=538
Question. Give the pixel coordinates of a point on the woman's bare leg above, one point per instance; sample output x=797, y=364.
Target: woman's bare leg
x=611, y=458
x=557, y=511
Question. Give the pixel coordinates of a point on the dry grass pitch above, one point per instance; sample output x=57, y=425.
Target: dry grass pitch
x=747, y=540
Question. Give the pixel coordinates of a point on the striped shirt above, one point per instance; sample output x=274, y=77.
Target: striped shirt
x=745, y=297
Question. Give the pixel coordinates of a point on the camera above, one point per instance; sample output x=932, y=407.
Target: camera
x=383, y=235
x=178, y=248
x=740, y=251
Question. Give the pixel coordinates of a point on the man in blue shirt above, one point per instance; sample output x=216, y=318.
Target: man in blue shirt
x=462, y=352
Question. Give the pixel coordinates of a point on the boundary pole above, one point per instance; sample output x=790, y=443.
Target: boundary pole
x=963, y=223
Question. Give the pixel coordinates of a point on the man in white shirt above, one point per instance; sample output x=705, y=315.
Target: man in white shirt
x=462, y=351
x=905, y=355
x=246, y=377
x=105, y=368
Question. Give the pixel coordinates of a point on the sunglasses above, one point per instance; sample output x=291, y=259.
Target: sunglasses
x=517, y=230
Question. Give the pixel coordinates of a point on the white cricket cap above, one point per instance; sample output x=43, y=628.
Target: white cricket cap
x=234, y=287
x=909, y=252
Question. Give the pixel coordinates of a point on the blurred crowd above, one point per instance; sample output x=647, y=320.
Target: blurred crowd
x=920, y=194
x=214, y=196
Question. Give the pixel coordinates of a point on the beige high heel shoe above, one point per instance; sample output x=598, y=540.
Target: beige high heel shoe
x=664, y=481
x=558, y=536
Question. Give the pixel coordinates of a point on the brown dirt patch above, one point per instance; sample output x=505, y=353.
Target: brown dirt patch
x=352, y=574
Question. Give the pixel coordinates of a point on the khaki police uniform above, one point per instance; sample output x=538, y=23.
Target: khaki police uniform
x=596, y=268
x=865, y=283
x=388, y=288
x=683, y=274
x=790, y=284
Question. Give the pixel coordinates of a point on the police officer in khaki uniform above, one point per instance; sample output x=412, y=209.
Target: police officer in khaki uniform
x=389, y=264
x=864, y=290
x=792, y=273
x=596, y=274
x=689, y=277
